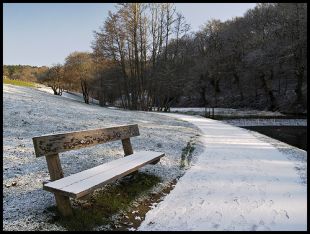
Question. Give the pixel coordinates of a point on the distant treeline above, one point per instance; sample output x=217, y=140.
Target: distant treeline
x=145, y=57
x=23, y=72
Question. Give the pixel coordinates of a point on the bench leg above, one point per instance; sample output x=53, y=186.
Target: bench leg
x=63, y=205
x=55, y=170
x=153, y=163
x=127, y=146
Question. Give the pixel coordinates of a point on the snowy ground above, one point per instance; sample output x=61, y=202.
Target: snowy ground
x=29, y=112
x=71, y=95
x=242, y=181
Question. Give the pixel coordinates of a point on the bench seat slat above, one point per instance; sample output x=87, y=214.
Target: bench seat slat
x=82, y=183
x=66, y=181
x=87, y=185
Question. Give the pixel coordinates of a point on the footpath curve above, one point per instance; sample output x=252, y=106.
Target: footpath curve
x=238, y=183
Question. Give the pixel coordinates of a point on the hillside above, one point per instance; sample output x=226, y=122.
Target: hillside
x=30, y=112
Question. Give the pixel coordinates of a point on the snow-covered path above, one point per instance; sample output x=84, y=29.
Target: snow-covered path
x=238, y=183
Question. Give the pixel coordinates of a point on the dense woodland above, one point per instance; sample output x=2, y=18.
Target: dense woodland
x=23, y=72
x=146, y=58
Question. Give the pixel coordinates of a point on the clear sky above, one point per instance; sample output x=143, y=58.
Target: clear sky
x=45, y=33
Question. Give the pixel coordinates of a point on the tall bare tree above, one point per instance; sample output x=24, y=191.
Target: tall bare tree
x=79, y=71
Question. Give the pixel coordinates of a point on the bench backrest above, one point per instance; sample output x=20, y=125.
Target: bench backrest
x=54, y=144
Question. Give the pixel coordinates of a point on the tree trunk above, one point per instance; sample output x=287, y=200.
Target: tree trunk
x=268, y=92
x=298, y=89
x=239, y=86
x=85, y=91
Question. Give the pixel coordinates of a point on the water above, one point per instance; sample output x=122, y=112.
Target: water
x=292, y=135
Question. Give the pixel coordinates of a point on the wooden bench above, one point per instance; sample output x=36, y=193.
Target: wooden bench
x=82, y=183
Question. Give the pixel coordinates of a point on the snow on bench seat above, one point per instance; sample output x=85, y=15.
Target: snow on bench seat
x=82, y=183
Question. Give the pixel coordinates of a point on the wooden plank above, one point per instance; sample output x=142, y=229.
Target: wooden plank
x=85, y=185
x=127, y=146
x=46, y=181
x=69, y=180
x=51, y=144
x=91, y=172
x=55, y=171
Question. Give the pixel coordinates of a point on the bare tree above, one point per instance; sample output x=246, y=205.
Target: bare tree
x=54, y=78
x=79, y=71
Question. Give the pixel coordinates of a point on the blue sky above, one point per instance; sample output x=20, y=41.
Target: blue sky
x=45, y=33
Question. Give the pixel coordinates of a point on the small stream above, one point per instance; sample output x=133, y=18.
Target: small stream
x=292, y=135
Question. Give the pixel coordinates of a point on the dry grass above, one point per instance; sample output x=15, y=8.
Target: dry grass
x=19, y=83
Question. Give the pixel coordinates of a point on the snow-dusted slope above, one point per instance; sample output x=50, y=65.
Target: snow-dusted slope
x=238, y=183
x=71, y=95
x=30, y=112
